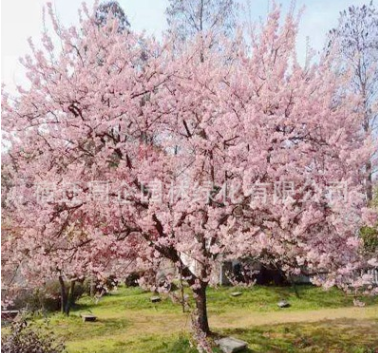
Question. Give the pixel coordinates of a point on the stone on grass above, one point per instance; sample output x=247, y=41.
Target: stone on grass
x=283, y=304
x=88, y=317
x=236, y=294
x=9, y=315
x=231, y=345
x=155, y=299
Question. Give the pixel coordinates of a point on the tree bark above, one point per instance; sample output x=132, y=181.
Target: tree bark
x=199, y=293
x=63, y=295
x=201, y=306
x=369, y=181
x=71, y=298
x=368, y=131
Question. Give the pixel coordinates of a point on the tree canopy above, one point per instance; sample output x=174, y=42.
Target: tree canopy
x=182, y=157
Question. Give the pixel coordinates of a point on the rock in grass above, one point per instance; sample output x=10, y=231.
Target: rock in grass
x=9, y=315
x=236, y=294
x=283, y=304
x=89, y=317
x=155, y=299
x=231, y=345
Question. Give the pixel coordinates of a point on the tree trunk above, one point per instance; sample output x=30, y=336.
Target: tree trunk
x=369, y=181
x=201, y=306
x=368, y=131
x=294, y=285
x=92, y=287
x=71, y=298
x=63, y=295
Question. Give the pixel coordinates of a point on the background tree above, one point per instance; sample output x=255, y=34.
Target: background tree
x=114, y=10
x=209, y=19
x=356, y=40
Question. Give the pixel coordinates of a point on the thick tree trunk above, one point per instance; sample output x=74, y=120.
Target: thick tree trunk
x=63, y=295
x=71, y=298
x=201, y=306
x=92, y=289
x=199, y=293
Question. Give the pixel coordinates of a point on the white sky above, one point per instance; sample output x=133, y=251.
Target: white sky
x=21, y=19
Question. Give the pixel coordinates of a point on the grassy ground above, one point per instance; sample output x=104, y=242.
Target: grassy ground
x=317, y=321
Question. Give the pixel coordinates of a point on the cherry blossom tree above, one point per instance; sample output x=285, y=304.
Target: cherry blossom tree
x=32, y=261
x=185, y=157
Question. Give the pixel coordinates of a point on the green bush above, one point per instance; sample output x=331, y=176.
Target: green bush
x=370, y=237
x=23, y=339
x=132, y=280
x=47, y=297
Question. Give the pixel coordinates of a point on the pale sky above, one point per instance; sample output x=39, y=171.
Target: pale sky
x=21, y=19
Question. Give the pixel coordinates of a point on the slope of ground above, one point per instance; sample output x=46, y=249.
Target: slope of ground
x=317, y=321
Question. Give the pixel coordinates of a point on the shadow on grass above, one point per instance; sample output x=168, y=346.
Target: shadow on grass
x=258, y=298
x=331, y=336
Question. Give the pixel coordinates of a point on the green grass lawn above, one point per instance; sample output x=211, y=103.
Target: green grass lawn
x=317, y=321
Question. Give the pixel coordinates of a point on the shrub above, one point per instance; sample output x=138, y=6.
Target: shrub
x=22, y=339
x=46, y=298
x=132, y=280
x=370, y=237
x=36, y=299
